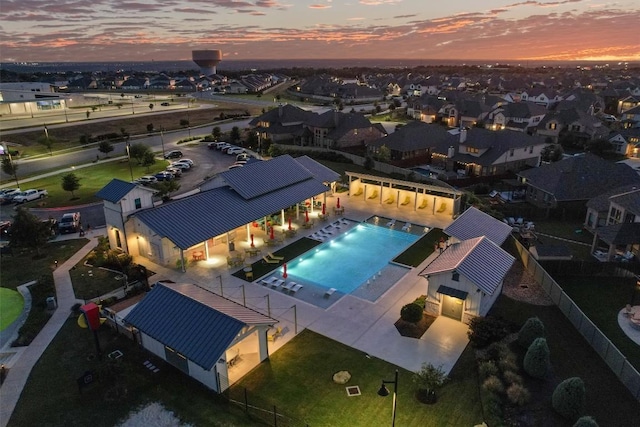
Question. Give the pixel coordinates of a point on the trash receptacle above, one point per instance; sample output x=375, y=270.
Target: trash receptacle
x=232, y=247
x=51, y=303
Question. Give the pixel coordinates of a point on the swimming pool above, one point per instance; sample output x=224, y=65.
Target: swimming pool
x=352, y=258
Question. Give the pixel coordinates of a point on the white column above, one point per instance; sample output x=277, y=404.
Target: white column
x=263, y=347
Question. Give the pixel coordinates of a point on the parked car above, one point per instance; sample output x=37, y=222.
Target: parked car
x=225, y=147
x=174, y=154
x=221, y=144
x=164, y=176
x=243, y=156
x=235, y=150
x=7, y=194
x=165, y=104
x=30, y=195
x=146, y=180
x=4, y=229
x=212, y=145
x=69, y=223
x=240, y=162
x=176, y=172
x=186, y=161
x=182, y=166
x=235, y=166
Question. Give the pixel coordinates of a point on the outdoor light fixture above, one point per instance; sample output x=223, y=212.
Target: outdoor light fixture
x=384, y=391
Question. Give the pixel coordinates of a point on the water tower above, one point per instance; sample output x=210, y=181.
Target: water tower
x=207, y=60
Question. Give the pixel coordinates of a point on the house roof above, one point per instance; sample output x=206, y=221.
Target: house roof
x=475, y=223
x=580, y=177
x=115, y=190
x=602, y=202
x=413, y=136
x=192, y=321
x=479, y=259
x=201, y=216
x=620, y=234
x=318, y=170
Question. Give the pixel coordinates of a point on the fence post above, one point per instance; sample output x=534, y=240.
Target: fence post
x=275, y=417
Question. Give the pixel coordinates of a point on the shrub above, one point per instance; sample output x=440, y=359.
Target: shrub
x=536, y=361
x=568, y=398
x=429, y=378
x=487, y=369
x=533, y=328
x=497, y=350
x=586, y=421
x=508, y=362
x=486, y=330
x=411, y=312
x=493, y=384
x=518, y=394
x=421, y=301
x=511, y=377
x=493, y=408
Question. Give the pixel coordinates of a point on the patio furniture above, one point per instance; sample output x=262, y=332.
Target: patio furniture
x=358, y=193
x=270, y=261
x=374, y=195
x=406, y=227
x=232, y=356
x=390, y=200
x=391, y=223
x=628, y=310
x=423, y=204
x=198, y=256
x=407, y=200
x=277, y=283
x=286, y=287
x=329, y=292
x=269, y=281
x=252, y=251
x=443, y=208
x=276, y=257
x=296, y=288
x=275, y=334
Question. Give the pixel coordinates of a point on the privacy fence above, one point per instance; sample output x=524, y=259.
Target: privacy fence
x=616, y=361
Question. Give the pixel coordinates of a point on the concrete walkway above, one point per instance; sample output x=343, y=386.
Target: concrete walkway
x=26, y=359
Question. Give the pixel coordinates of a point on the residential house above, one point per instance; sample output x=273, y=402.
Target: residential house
x=200, y=333
x=337, y=130
x=618, y=205
x=626, y=142
x=580, y=125
x=282, y=124
x=519, y=116
x=568, y=184
x=631, y=118
x=541, y=96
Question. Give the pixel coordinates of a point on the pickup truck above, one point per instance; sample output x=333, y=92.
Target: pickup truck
x=30, y=195
x=70, y=223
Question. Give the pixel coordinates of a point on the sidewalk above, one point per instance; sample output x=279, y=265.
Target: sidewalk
x=26, y=358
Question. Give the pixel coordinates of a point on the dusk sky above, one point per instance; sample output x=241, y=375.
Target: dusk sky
x=145, y=30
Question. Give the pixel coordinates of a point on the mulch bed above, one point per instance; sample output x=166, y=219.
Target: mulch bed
x=414, y=330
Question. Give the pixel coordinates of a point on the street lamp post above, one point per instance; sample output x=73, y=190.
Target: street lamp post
x=5, y=149
x=385, y=392
x=129, y=159
x=162, y=140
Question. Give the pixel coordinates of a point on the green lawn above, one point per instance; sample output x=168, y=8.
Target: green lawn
x=421, y=249
x=92, y=179
x=11, y=304
x=613, y=293
x=298, y=380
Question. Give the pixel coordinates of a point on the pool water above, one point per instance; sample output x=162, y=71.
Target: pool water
x=351, y=259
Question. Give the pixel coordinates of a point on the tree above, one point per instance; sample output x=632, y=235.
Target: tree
x=138, y=151
x=216, y=132
x=429, y=379
x=537, y=360
x=70, y=182
x=10, y=168
x=105, y=147
x=148, y=159
x=184, y=123
x=552, y=153
x=150, y=127
x=166, y=187
x=384, y=154
x=151, y=106
x=47, y=141
x=533, y=328
x=569, y=398
x=235, y=134
x=28, y=231
x=88, y=113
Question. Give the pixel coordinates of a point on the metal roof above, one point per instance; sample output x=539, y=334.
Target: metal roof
x=456, y=293
x=201, y=216
x=318, y=170
x=115, y=190
x=479, y=260
x=265, y=177
x=475, y=223
x=189, y=327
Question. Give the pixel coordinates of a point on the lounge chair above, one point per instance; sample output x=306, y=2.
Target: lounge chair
x=391, y=223
x=270, y=261
x=424, y=204
x=358, y=193
x=295, y=288
x=275, y=334
x=407, y=200
x=330, y=292
x=269, y=281
x=287, y=286
x=443, y=208
x=406, y=227
x=276, y=257
x=390, y=200
x=374, y=195
x=277, y=283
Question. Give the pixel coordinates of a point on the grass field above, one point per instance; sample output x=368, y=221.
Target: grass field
x=11, y=305
x=92, y=179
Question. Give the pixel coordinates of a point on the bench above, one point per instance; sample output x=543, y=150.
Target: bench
x=329, y=292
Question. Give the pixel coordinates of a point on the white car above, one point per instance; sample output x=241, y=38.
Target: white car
x=235, y=166
x=147, y=179
x=188, y=161
x=182, y=166
x=221, y=144
x=235, y=150
x=175, y=171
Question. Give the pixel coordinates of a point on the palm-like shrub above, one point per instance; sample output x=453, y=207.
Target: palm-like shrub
x=568, y=398
x=533, y=328
x=411, y=313
x=494, y=384
x=537, y=361
x=428, y=380
x=518, y=394
x=487, y=368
